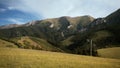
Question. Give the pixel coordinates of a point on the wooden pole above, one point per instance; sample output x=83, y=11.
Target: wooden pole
x=91, y=47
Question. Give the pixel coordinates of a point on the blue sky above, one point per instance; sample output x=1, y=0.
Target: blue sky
x=23, y=11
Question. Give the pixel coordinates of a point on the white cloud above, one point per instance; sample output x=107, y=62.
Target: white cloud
x=2, y=10
x=57, y=8
x=47, y=8
x=16, y=21
x=50, y=8
x=11, y=8
x=8, y=8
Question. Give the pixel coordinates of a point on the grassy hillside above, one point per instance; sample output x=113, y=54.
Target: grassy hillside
x=45, y=45
x=4, y=43
x=102, y=38
x=34, y=43
x=110, y=52
x=66, y=42
x=22, y=58
x=100, y=35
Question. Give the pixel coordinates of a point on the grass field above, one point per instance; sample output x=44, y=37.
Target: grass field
x=23, y=58
x=110, y=52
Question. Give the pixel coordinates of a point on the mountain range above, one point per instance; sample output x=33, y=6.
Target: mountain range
x=65, y=34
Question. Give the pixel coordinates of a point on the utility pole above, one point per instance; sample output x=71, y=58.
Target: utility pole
x=91, y=43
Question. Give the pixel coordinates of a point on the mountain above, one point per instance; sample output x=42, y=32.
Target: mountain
x=66, y=34
x=9, y=26
x=50, y=29
x=104, y=32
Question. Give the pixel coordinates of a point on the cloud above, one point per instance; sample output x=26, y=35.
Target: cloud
x=50, y=8
x=2, y=10
x=15, y=21
x=11, y=8
x=58, y=8
x=5, y=9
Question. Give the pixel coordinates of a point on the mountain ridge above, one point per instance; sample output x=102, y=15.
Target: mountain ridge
x=52, y=20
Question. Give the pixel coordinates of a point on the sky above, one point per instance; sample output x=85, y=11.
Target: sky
x=24, y=11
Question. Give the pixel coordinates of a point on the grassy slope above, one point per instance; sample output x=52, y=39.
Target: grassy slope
x=23, y=58
x=67, y=41
x=44, y=44
x=4, y=43
x=100, y=35
x=35, y=42
x=110, y=52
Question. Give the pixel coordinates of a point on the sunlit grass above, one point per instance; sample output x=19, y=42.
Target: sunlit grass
x=23, y=58
x=110, y=52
